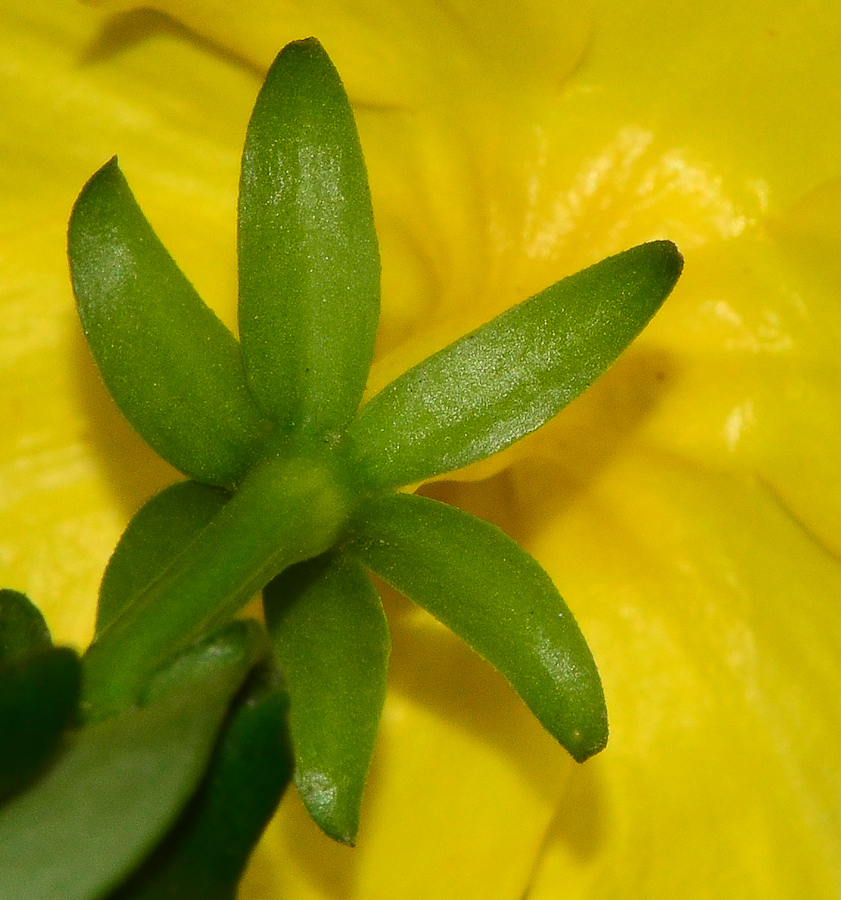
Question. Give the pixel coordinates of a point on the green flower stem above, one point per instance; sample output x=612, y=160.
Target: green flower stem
x=288, y=509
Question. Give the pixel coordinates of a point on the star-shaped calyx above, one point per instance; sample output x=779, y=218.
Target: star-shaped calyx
x=294, y=489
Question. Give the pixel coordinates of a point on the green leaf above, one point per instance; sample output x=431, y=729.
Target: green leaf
x=205, y=854
x=332, y=641
x=162, y=528
x=23, y=630
x=308, y=257
x=496, y=597
x=171, y=366
x=112, y=793
x=235, y=648
x=39, y=698
x=39, y=692
x=513, y=374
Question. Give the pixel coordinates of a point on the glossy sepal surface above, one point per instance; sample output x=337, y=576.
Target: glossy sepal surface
x=308, y=259
x=169, y=363
x=332, y=642
x=510, y=376
x=496, y=597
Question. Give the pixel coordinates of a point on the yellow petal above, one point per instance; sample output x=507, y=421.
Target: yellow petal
x=464, y=783
x=75, y=89
x=683, y=506
x=714, y=617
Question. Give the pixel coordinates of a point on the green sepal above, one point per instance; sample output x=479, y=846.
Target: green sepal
x=332, y=642
x=309, y=265
x=510, y=376
x=171, y=366
x=114, y=790
x=205, y=854
x=23, y=630
x=288, y=509
x=161, y=529
x=39, y=699
x=235, y=648
x=498, y=599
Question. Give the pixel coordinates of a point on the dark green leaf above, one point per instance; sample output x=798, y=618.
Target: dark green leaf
x=23, y=630
x=509, y=377
x=203, y=857
x=496, y=597
x=39, y=698
x=39, y=692
x=171, y=366
x=111, y=794
x=309, y=264
x=332, y=642
x=159, y=531
x=234, y=648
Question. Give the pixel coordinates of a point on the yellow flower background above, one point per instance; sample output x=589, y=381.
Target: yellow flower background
x=688, y=506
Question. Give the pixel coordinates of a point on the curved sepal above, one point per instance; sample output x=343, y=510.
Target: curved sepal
x=513, y=374
x=159, y=531
x=496, y=597
x=308, y=259
x=332, y=641
x=171, y=366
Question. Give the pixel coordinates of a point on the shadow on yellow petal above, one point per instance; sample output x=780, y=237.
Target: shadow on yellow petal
x=752, y=333
x=463, y=785
x=715, y=620
x=714, y=617
x=134, y=27
x=462, y=789
x=126, y=464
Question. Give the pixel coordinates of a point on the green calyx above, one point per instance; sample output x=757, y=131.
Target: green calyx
x=292, y=485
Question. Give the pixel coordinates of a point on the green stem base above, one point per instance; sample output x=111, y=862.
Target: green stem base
x=285, y=511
